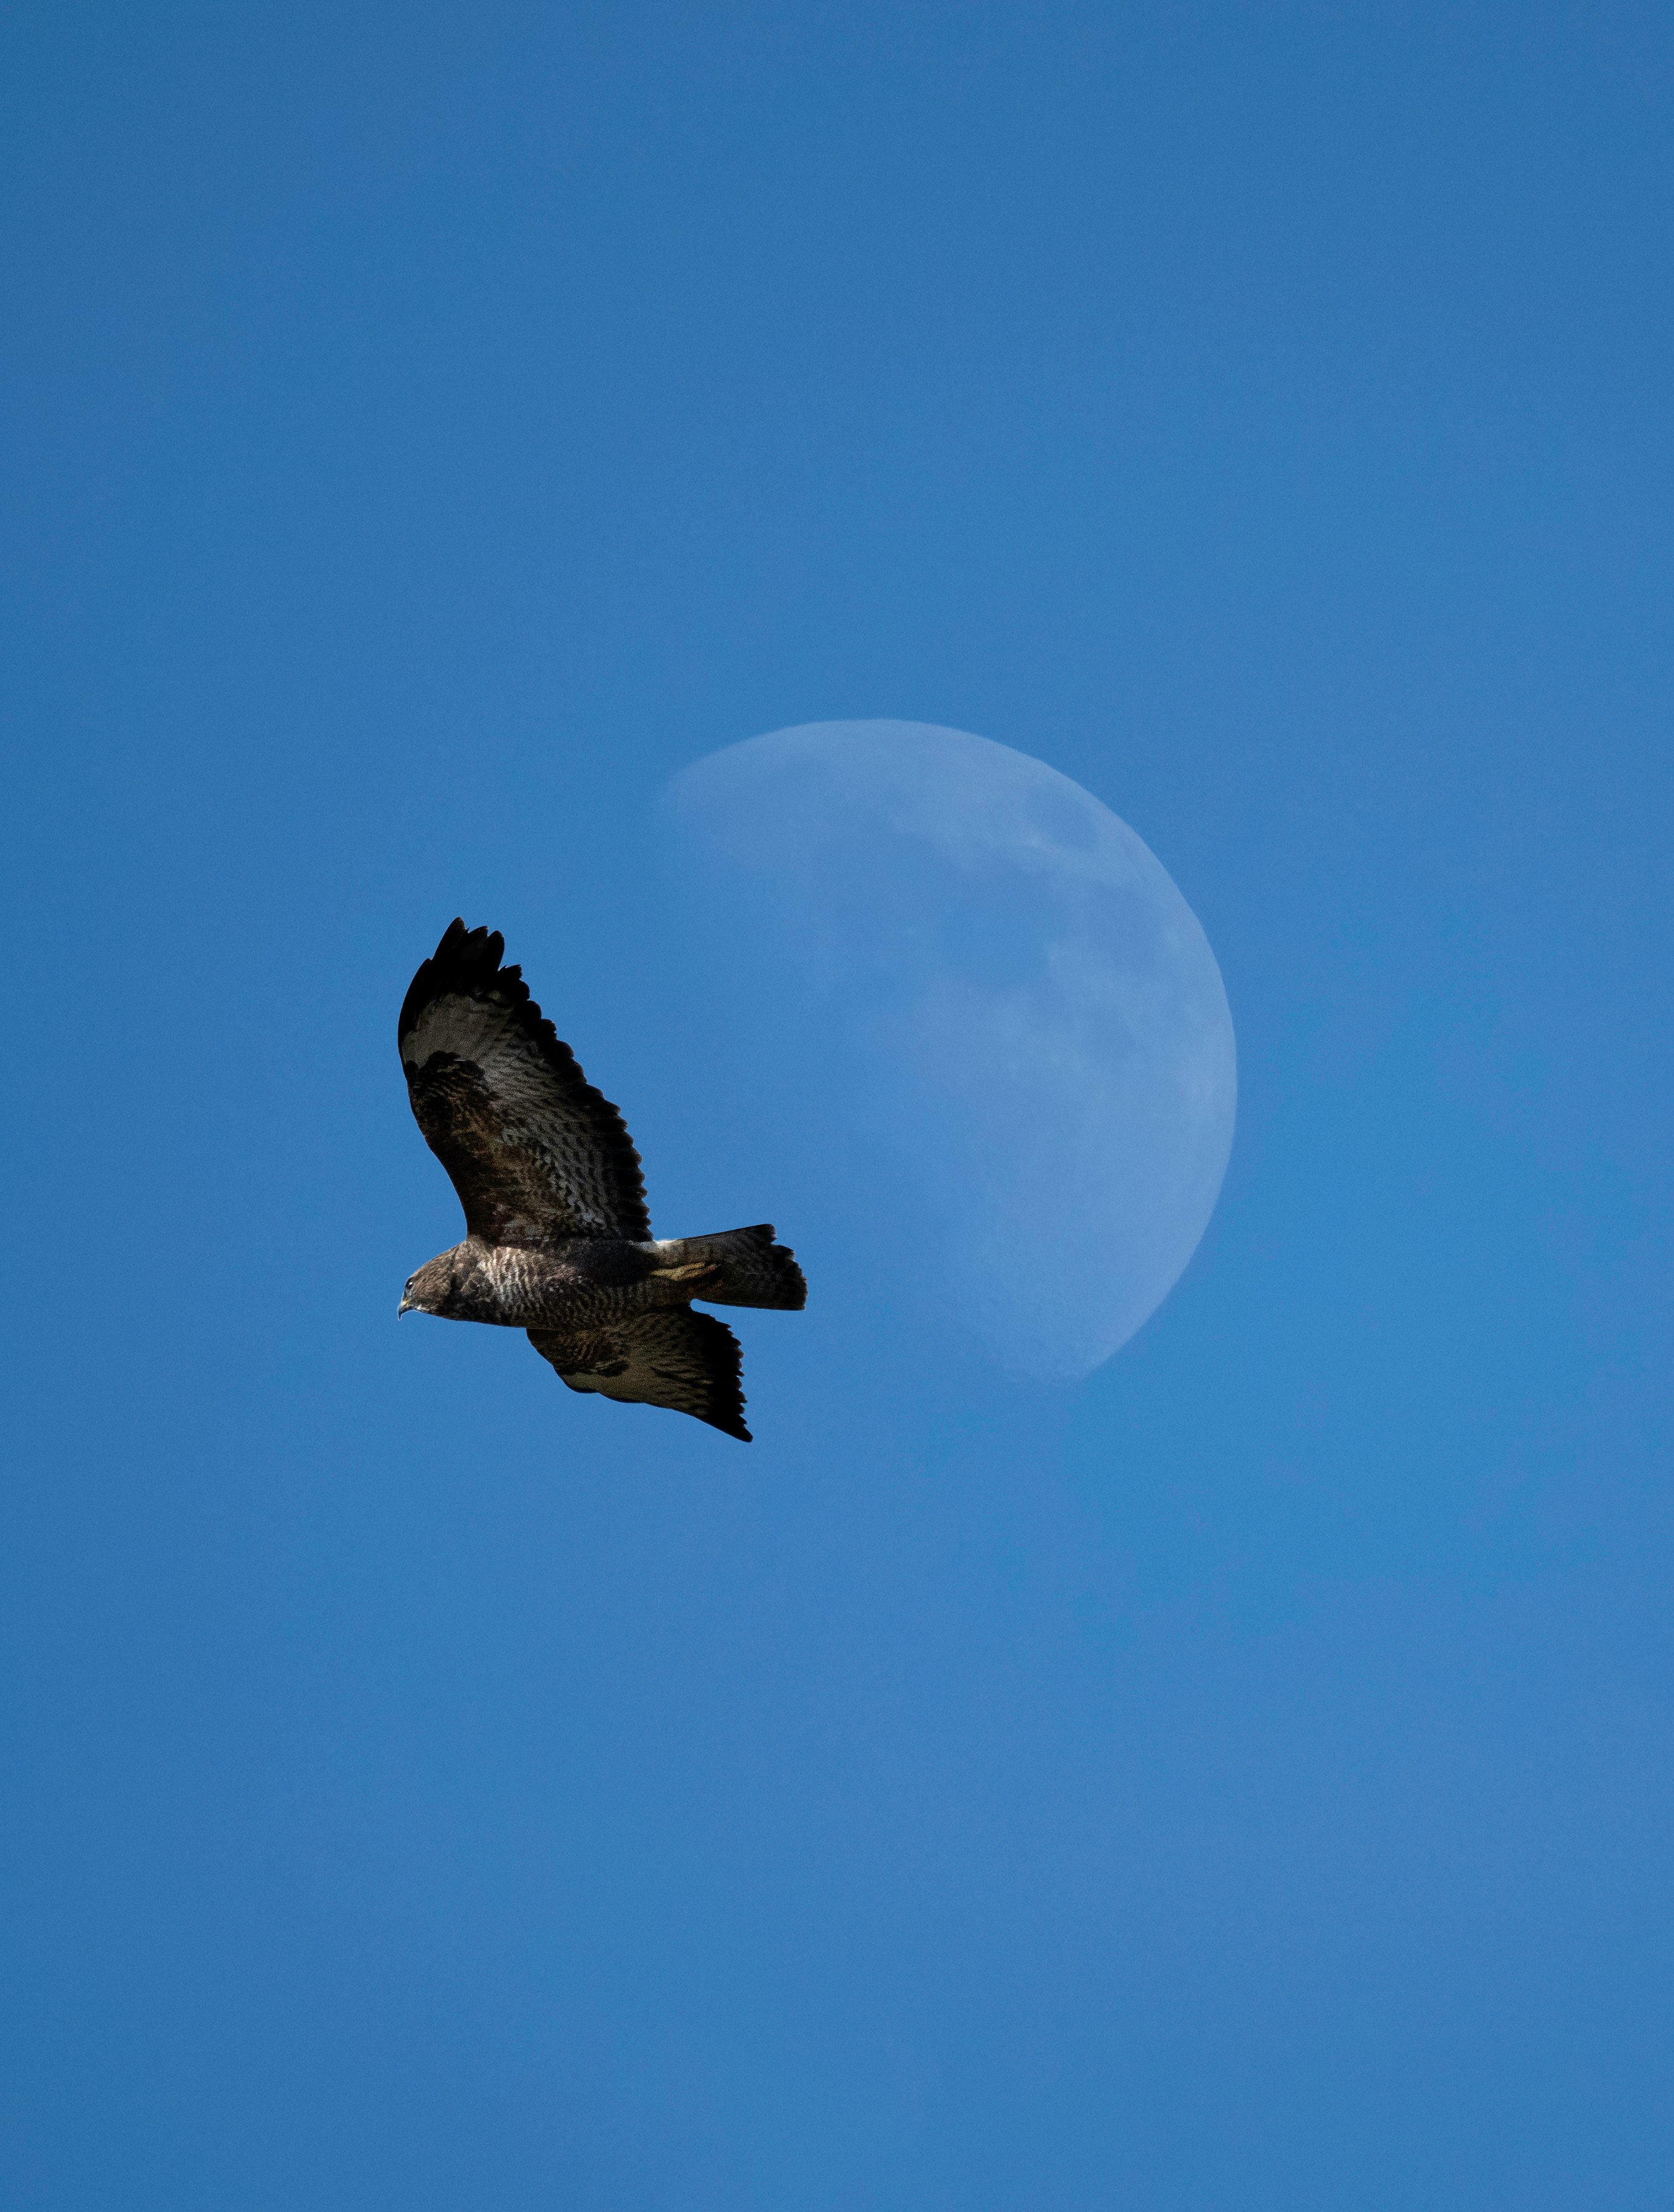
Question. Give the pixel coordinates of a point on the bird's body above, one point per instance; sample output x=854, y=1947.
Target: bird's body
x=558, y=1239
x=578, y=1281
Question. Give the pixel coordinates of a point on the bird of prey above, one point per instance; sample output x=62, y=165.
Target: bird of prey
x=559, y=1241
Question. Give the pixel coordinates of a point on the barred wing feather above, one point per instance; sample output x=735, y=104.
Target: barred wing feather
x=534, y=1151
x=673, y=1356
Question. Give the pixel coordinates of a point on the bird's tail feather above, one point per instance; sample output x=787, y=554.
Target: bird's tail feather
x=748, y=1268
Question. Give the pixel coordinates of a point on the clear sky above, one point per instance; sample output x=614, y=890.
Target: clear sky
x=1238, y=1781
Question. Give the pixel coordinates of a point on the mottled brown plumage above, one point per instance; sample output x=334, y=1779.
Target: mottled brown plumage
x=558, y=1239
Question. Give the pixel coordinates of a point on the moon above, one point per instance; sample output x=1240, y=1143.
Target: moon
x=1011, y=1006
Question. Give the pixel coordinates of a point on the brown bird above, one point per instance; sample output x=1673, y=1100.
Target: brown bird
x=559, y=1241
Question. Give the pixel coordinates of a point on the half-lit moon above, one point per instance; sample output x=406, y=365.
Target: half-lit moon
x=1034, y=1025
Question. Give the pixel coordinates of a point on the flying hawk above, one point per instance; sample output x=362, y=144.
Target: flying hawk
x=558, y=1239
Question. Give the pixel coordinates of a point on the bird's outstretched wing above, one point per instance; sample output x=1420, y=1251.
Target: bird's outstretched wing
x=533, y=1151
x=670, y=1356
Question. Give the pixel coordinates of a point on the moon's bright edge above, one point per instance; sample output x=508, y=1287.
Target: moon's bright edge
x=1029, y=1016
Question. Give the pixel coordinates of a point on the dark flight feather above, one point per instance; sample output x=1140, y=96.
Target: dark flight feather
x=687, y=1361
x=534, y=1151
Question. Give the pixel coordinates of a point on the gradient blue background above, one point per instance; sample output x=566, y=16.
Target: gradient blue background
x=1241, y=1783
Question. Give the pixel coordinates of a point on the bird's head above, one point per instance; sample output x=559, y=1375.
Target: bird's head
x=434, y=1289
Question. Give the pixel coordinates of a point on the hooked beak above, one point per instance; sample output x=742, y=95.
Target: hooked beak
x=406, y=1306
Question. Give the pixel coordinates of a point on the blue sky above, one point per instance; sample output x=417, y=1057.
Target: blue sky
x=1240, y=1782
